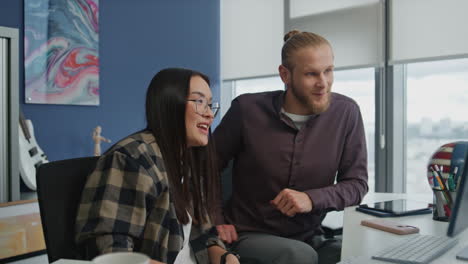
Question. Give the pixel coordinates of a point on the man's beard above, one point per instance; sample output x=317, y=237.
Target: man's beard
x=317, y=108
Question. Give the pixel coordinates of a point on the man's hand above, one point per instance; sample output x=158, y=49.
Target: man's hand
x=291, y=202
x=227, y=233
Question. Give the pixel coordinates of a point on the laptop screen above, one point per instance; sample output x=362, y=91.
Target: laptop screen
x=459, y=216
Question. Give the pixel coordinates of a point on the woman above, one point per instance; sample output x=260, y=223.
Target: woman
x=157, y=188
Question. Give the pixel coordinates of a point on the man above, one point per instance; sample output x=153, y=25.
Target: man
x=288, y=149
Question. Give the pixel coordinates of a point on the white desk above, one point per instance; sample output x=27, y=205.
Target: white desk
x=359, y=240
x=364, y=241
x=70, y=261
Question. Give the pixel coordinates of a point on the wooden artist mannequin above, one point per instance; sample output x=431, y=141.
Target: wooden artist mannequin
x=97, y=138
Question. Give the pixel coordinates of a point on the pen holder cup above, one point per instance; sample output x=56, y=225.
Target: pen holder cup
x=442, y=204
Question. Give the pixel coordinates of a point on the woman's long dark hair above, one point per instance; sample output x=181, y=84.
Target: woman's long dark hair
x=192, y=172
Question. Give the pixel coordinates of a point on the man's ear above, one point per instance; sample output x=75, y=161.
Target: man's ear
x=285, y=74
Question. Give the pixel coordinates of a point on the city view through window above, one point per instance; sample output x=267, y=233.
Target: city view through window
x=360, y=86
x=437, y=113
x=258, y=85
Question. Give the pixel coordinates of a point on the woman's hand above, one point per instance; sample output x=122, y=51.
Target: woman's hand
x=231, y=259
x=215, y=253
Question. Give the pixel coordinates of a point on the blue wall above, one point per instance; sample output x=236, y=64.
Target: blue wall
x=137, y=39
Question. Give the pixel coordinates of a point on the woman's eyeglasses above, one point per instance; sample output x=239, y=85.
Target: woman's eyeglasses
x=201, y=106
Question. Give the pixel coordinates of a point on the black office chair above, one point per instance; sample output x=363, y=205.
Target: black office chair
x=226, y=182
x=59, y=187
x=330, y=232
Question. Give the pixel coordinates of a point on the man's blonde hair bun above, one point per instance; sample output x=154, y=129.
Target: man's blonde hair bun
x=295, y=40
x=291, y=33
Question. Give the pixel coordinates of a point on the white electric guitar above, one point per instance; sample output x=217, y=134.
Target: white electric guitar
x=31, y=155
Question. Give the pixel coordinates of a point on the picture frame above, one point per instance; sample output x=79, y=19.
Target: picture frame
x=61, y=52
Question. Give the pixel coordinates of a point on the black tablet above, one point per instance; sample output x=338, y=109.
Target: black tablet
x=398, y=207
x=374, y=212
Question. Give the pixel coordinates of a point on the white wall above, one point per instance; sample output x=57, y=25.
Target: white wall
x=252, y=33
x=306, y=7
x=425, y=29
x=356, y=34
x=251, y=37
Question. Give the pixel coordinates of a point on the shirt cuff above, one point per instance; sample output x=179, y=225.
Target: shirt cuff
x=318, y=198
x=214, y=241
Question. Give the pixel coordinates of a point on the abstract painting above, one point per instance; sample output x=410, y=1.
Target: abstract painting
x=61, y=52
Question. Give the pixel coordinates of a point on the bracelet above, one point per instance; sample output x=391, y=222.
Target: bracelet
x=223, y=257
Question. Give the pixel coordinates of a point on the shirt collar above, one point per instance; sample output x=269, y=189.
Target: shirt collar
x=278, y=102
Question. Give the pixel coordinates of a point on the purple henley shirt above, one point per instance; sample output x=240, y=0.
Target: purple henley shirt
x=271, y=154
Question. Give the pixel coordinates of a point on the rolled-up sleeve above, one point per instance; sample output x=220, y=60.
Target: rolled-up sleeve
x=352, y=176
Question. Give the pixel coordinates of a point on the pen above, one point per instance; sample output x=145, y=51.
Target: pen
x=455, y=177
x=439, y=182
x=435, y=180
x=451, y=181
x=437, y=171
x=430, y=178
x=440, y=171
x=442, y=185
x=442, y=175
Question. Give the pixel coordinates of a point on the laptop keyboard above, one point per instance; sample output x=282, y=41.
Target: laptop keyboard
x=418, y=249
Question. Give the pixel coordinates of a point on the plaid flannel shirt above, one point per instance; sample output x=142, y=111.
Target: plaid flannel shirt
x=126, y=206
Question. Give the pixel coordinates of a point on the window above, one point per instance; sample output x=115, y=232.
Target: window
x=234, y=88
x=359, y=84
x=9, y=173
x=257, y=85
x=437, y=107
x=3, y=123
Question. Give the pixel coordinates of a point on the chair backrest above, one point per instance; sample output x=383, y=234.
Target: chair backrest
x=59, y=187
x=226, y=182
